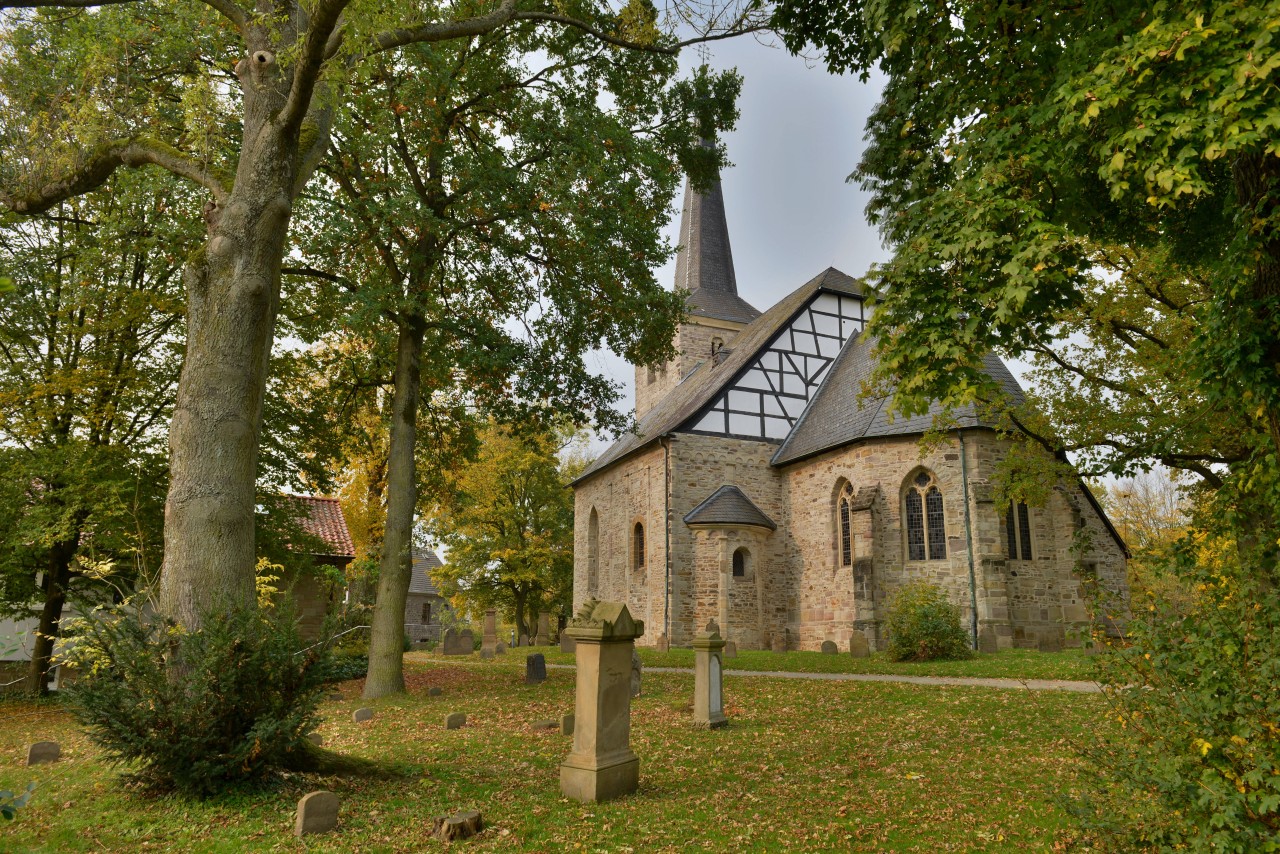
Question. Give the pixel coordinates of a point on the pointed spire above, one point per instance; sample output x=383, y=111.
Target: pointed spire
x=704, y=261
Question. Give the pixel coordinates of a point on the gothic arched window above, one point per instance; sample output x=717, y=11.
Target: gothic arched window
x=1017, y=524
x=845, y=521
x=593, y=552
x=925, y=524
x=740, y=563
x=637, y=547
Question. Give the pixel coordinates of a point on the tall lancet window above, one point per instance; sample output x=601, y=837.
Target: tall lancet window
x=844, y=519
x=637, y=547
x=924, y=519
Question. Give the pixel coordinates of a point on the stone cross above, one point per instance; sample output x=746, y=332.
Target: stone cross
x=601, y=766
x=489, y=642
x=708, y=679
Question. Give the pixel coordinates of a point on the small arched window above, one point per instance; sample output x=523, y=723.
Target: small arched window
x=1018, y=529
x=846, y=532
x=740, y=563
x=637, y=547
x=926, y=526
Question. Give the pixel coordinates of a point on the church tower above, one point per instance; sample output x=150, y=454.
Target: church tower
x=704, y=267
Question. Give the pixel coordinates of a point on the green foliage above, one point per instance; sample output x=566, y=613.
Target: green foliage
x=197, y=712
x=10, y=802
x=924, y=626
x=1196, y=689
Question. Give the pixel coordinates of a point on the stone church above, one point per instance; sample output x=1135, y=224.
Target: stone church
x=759, y=491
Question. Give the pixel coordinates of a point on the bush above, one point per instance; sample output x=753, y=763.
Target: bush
x=924, y=626
x=197, y=712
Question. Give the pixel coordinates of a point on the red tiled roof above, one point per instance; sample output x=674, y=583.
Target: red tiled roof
x=322, y=517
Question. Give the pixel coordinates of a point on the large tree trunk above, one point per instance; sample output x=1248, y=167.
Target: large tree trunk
x=233, y=291
x=386, y=644
x=57, y=576
x=521, y=598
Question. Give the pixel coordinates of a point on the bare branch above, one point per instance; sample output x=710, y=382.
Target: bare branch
x=94, y=171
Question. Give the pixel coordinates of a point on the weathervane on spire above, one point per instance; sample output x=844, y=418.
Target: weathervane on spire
x=704, y=53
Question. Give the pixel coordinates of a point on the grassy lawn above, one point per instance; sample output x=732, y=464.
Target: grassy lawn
x=803, y=766
x=1014, y=663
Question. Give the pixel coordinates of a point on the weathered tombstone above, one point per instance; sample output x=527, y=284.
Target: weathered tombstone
x=435, y=691
x=544, y=631
x=489, y=641
x=361, y=715
x=317, y=813
x=637, y=672
x=780, y=641
x=316, y=738
x=987, y=640
x=524, y=640
x=43, y=752
x=535, y=669
x=335, y=695
x=858, y=646
x=1051, y=641
x=829, y=647
x=730, y=649
x=566, y=642
x=663, y=645
x=544, y=724
x=457, y=720
x=459, y=642
x=566, y=724
x=501, y=648
x=460, y=825
x=708, y=679
x=601, y=765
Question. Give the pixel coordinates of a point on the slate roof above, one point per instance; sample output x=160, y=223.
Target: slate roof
x=836, y=416
x=729, y=506
x=420, y=573
x=322, y=517
x=705, y=382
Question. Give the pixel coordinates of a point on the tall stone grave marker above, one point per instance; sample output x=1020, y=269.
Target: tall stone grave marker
x=535, y=669
x=544, y=631
x=567, y=643
x=708, y=678
x=489, y=642
x=601, y=765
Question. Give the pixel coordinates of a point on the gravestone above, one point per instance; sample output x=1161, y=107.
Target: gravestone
x=544, y=631
x=829, y=647
x=361, y=715
x=316, y=738
x=317, y=813
x=663, y=645
x=489, y=640
x=1050, y=642
x=460, y=825
x=501, y=648
x=987, y=640
x=780, y=641
x=730, y=649
x=566, y=642
x=535, y=669
x=524, y=640
x=435, y=691
x=544, y=724
x=457, y=720
x=566, y=724
x=601, y=765
x=43, y=752
x=459, y=642
x=637, y=672
x=858, y=646
x=335, y=695
x=708, y=679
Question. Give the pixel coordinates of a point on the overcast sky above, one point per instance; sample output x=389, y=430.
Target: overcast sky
x=791, y=213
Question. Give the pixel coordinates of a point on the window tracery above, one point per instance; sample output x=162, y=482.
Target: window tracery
x=924, y=519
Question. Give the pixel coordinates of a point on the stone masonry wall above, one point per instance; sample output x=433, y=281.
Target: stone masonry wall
x=693, y=345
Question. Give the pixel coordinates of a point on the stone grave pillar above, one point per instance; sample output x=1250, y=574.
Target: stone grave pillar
x=708, y=679
x=544, y=631
x=489, y=643
x=601, y=765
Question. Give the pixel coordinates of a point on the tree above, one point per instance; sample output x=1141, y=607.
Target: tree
x=90, y=343
x=129, y=85
x=507, y=523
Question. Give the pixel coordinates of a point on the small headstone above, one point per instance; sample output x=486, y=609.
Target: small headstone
x=663, y=645
x=829, y=647
x=486, y=654
x=858, y=646
x=336, y=695
x=457, y=720
x=730, y=649
x=435, y=691
x=566, y=724
x=544, y=724
x=567, y=643
x=447, y=828
x=501, y=648
x=317, y=813
x=524, y=640
x=535, y=669
x=544, y=630
x=361, y=715
x=315, y=738
x=459, y=642
x=637, y=671
x=987, y=640
x=43, y=752
x=780, y=641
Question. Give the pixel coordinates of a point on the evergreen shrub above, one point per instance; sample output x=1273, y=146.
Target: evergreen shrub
x=924, y=626
x=197, y=712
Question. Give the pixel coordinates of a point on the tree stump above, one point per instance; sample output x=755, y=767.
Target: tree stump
x=460, y=825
